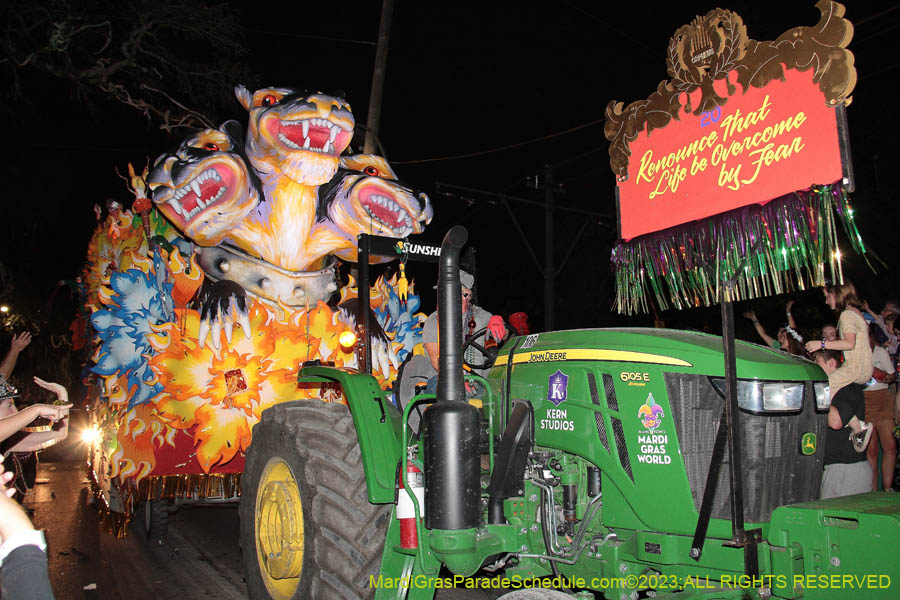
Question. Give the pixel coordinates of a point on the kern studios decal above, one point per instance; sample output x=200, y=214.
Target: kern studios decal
x=557, y=392
x=653, y=438
x=557, y=389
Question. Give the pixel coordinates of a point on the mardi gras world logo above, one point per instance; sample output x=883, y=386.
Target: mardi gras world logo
x=651, y=413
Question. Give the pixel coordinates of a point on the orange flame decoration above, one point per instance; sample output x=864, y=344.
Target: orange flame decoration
x=187, y=275
x=106, y=254
x=222, y=393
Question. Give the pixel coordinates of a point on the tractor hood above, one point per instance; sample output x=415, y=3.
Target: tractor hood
x=674, y=350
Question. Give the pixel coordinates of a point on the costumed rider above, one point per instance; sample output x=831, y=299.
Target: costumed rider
x=847, y=471
x=474, y=319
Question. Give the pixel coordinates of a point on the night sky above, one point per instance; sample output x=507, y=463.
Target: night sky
x=463, y=78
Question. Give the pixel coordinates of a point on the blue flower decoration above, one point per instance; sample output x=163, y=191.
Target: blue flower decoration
x=123, y=328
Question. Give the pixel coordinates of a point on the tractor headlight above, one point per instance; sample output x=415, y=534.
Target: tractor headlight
x=823, y=395
x=781, y=397
x=765, y=396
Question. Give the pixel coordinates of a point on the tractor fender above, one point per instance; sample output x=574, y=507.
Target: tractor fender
x=378, y=427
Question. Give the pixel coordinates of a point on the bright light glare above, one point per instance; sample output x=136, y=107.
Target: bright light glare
x=347, y=339
x=91, y=435
x=4, y=309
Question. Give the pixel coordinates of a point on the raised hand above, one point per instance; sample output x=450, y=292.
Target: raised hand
x=62, y=395
x=496, y=328
x=20, y=341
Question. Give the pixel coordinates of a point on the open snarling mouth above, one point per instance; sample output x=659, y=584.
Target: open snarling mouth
x=315, y=135
x=387, y=212
x=701, y=57
x=200, y=192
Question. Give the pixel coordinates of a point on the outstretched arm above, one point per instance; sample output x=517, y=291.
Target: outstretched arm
x=39, y=440
x=18, y=343
x=790, y=318
x=845, y=343
x=769, y=340
x=14, y=423
x=54, y=412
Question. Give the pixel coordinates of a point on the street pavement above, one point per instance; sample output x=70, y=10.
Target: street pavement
x=200, y=559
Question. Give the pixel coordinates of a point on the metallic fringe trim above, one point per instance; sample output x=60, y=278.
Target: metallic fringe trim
x=787, y=242
x=114, y=523
x=169, y=487
x=160, y=487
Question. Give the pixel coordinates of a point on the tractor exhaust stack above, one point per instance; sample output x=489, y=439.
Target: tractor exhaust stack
x=451, y=436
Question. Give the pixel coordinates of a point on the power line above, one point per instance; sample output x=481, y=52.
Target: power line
x=572, y=159
x=876, y=15
x=310, y=36
x=622, y=33
x=499, y=149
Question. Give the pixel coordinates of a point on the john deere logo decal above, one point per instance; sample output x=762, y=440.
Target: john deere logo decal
x=808, y=444
x=557, y=389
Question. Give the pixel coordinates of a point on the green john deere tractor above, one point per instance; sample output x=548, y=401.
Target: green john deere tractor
x=632, y=463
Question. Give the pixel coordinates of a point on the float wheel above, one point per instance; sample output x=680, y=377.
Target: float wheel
x=156, y=520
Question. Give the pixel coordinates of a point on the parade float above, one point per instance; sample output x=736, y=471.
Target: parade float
x=221, y=278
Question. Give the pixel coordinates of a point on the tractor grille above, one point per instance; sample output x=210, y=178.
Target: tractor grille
x=598, y=414
x=775, y=472
x=619, y=434
x=610, y=389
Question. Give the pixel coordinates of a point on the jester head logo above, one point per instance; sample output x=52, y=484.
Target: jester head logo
x=295, y=133
x=650, y=413
x=205, y=187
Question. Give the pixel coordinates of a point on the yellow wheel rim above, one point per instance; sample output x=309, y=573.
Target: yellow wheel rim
x=279, y=529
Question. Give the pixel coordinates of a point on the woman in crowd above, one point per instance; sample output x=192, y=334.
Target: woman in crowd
x=880, y=412
x=854, y=343
x=788, y=339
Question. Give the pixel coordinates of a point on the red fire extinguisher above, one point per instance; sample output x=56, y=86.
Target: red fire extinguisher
x=406, y=512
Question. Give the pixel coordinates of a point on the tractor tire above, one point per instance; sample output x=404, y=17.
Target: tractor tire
x=535, y=594
x=307, y=527
x=155, y=515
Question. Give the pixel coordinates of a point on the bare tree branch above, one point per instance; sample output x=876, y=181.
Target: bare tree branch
x=159, y=57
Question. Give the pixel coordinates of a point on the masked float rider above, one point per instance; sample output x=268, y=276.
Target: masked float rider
x=474, y=319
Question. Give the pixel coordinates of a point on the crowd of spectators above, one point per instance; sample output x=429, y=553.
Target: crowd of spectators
x=858, y=352
x=23, y=558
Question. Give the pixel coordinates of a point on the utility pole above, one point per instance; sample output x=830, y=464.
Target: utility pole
x=549, y=269
x=381, y=52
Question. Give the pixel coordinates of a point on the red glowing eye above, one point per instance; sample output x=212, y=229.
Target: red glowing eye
x=269, y=100
x=370, y=171
x=211, y=146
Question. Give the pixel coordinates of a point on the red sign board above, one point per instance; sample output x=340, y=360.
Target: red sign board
x=763, y=144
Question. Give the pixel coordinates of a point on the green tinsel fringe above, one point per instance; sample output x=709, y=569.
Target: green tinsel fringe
x=789, y=243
